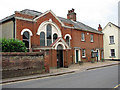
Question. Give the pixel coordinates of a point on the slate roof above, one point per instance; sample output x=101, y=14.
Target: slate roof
x=31, y=12
x=76, y=24
x=79, y=25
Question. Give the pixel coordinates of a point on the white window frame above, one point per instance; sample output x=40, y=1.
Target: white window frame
x=68, y=35
x=84, y=53
x=112, y=52
x=82, y=36
x=92, y=38
x=111, y=39
x=30, y=34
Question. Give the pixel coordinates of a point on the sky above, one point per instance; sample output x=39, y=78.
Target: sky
x=89, y=12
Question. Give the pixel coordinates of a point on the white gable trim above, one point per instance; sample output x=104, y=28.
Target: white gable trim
x=63, y=43
x=51, y=13
x=60, y=43
x=24, y=30
x=48, y=22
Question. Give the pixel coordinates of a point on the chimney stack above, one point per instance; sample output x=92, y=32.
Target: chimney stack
x=71, y=15
x=99, y=28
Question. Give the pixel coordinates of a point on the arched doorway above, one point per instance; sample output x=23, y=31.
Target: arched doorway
x=59, y=56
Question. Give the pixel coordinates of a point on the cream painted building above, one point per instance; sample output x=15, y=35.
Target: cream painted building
x=7, y=28
x=111, y=41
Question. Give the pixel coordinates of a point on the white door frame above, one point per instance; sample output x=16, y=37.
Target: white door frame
x=79, y=57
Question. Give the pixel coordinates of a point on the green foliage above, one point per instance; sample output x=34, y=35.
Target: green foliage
x=102, y=59
x=92, y=60
x=11, y=45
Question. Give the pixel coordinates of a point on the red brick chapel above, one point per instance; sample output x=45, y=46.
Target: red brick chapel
x=65, y=40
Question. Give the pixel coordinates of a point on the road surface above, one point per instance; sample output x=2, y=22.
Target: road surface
x=106, y=77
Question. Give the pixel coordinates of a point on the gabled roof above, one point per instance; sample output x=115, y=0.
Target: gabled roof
x=76, y=24
x=112, y=24
x=60, y=39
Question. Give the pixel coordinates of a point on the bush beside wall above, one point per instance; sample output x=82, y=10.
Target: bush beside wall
x=12, y=45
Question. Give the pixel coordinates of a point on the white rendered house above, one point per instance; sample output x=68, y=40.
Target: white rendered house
x=111, y=41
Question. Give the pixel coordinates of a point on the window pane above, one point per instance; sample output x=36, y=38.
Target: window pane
x=112, y=52
x=26, y=43
x=67, y=40
x=25, y=35
x=83, y=36
x=49, y=41
x=26, y=39
x=49, y=33
x=83, y=52
x=42, y=39
x=91, y=38
x=54, y=37
x=111, y=39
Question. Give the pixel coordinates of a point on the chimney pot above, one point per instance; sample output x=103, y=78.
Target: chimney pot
x=99, y=28
x=71, y=15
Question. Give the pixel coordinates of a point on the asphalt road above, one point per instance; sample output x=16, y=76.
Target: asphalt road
x=106, y=77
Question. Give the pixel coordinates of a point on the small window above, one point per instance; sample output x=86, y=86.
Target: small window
x=82, y=37
x=83, y=52
x=92, y=53
x=91, y=37
x=111, y=39
x=68, y=40
x=42, y=39
x=112, y=52
x=55, y=36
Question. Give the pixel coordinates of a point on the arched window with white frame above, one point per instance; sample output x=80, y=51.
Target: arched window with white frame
x=26, y=35
x=26, y=40
x=68, y=40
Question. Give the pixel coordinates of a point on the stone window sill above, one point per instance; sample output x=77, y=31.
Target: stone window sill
x=111, y=43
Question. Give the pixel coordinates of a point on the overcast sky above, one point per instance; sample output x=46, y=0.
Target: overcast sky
x=89, y=12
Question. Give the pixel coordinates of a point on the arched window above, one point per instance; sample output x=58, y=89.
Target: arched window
x=68, y=40
x=55, y=36
x=26, y=39
x=49, y=32
x=42, y=39
x=59, y=47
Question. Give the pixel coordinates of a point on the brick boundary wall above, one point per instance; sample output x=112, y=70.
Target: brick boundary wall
x=15, y=64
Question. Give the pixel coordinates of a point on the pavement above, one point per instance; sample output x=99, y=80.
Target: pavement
x=72, y=68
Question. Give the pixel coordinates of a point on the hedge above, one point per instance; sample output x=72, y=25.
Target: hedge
x=12, y=45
